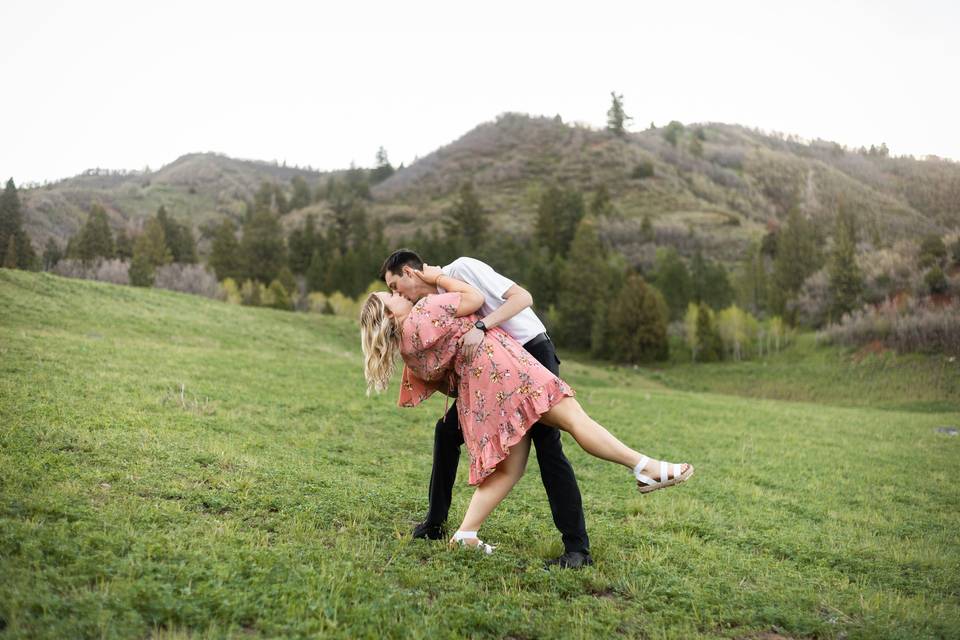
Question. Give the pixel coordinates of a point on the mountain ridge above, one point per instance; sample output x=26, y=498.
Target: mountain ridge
x=722, y=182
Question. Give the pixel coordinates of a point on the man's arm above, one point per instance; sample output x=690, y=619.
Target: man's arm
x=517, y=299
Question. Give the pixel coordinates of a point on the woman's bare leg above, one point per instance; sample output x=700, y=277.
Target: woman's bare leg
x=593, y=438
x=495, y=488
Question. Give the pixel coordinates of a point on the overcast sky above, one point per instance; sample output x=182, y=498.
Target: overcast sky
x=128, y=84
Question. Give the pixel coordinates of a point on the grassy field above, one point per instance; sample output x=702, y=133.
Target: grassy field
x=175, y=467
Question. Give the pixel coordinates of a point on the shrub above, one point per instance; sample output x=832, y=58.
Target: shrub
x=189, y=278
x=907, y=325
x=936, y=281
x=114, y=271
x=642, y=170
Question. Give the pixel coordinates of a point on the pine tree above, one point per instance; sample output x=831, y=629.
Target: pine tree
x=383, y=170
x=637, y=328
x=95, y=239
x=316, y=272
x=616, y=116
x=302, y=242
x=22, y=255
x=798, y=256
x=225, y=259
x=585, y=280
x=124, y=245
x=149, y=252
x=262, y=247
x=846, y=281
x=52, y=254
x=646, y=229
x=601, y=206
x=465, y=223
x=709, y=346
x=10, y=255
x=673, y=280
x=301, y=193
x=558, y=214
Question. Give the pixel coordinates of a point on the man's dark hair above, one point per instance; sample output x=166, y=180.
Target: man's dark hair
x=398, y=260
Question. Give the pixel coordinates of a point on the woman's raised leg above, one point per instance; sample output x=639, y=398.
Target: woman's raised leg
x=597, y=441
x=495, y=488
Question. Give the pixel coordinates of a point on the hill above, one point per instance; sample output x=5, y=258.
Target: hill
x=172, y=466
x=722, y=182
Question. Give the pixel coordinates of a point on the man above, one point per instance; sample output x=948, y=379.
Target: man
x=506, y=305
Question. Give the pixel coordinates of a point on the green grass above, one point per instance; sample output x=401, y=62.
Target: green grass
x=806, y=372
x=172, y=466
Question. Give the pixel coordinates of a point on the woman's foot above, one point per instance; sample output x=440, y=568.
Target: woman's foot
x=658, y=474
x=470, y=539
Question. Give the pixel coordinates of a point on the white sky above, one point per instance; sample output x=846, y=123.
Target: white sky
x=127, y=84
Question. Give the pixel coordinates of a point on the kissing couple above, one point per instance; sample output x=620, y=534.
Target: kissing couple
x=469, y=332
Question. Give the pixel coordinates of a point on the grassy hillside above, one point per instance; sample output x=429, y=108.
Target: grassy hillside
x=171, y=466
x=725, y=191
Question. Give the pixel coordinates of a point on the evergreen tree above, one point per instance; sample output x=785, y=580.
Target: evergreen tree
x=302, y=242
x=225, y=258
x=585, y=280
x=601, y=205
x=709, y=282
x=751, y=280
x=466, y=224
x=262, y=248
x=10, y=255
x=357, y=183
x=179, y=238
x=932, y=251
x=316, y=272
x=19, y=253
x=616, y=116
x=52, y=254
x=646, y=229
x=383, y=170
x=798, y=256
x=709, y=345
x=149, y=252
x=846, y=281
x=672, y=131
x=124, y=245
x=95, y=240
x=301, y=193
x=637, y=329
x=673, y=280
x=558, y=215
x=543, y=277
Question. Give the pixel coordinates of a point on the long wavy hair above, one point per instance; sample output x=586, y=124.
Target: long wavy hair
x=380, y=340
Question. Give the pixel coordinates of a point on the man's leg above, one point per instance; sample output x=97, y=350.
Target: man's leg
x=556, y=472
x=447, y=439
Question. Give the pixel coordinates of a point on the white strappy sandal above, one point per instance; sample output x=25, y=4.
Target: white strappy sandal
x=460, y=538
x=670, y=474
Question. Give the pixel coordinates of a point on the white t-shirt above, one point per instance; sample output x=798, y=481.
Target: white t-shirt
x=522, y=327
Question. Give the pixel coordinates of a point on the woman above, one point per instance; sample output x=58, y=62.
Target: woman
x=501, y=393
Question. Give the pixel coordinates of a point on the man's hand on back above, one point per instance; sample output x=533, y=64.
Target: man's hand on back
x=470, y=342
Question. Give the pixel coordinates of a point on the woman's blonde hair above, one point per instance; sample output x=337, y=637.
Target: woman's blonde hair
x=380, y=339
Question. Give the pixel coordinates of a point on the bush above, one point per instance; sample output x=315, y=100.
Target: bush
x=189, y=278
x=642, y=170
x=936, y=281
x=114, y=271
x=907, y=325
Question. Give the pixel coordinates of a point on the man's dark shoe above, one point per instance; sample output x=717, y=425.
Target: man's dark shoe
x=429, y=531
x=570, y=560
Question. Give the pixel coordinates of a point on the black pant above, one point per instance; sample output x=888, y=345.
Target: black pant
x=555, y=470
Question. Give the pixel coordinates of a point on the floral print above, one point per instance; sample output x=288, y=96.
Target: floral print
x=500, y=394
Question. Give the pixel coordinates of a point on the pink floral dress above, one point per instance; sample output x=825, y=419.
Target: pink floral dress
x=500, y=395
